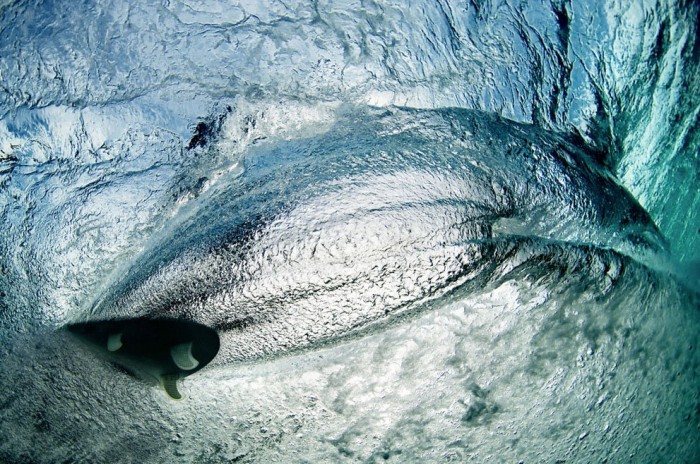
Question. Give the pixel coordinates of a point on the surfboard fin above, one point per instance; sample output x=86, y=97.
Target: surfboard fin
x=182, y=356
x=170, y=386
x=114, y=342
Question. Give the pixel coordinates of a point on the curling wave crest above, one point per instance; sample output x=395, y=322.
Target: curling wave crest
x=417, y=231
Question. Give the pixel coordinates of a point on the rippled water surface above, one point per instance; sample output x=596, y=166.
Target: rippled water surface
x=424, y=231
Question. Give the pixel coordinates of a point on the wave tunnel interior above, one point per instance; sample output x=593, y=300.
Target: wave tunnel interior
x=349, y=231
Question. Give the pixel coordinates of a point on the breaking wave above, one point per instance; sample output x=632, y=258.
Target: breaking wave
x=426, y=232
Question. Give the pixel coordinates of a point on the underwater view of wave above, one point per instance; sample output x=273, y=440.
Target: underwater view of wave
x=349, y=231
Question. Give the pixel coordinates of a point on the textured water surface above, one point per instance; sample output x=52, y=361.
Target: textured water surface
x=424, y=231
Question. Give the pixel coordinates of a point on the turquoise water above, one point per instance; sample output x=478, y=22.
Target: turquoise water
x=423, y=231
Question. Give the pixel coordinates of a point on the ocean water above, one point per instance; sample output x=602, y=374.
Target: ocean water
x=424, y=231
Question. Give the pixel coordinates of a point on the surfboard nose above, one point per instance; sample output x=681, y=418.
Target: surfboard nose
x=157, y=351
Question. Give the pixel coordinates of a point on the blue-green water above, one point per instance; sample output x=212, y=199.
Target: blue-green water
x=424, y=231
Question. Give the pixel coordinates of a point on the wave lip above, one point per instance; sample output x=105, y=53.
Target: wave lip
x=388, y=210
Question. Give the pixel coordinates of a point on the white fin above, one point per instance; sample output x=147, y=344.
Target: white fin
x=182, y=356
x=114, y=342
